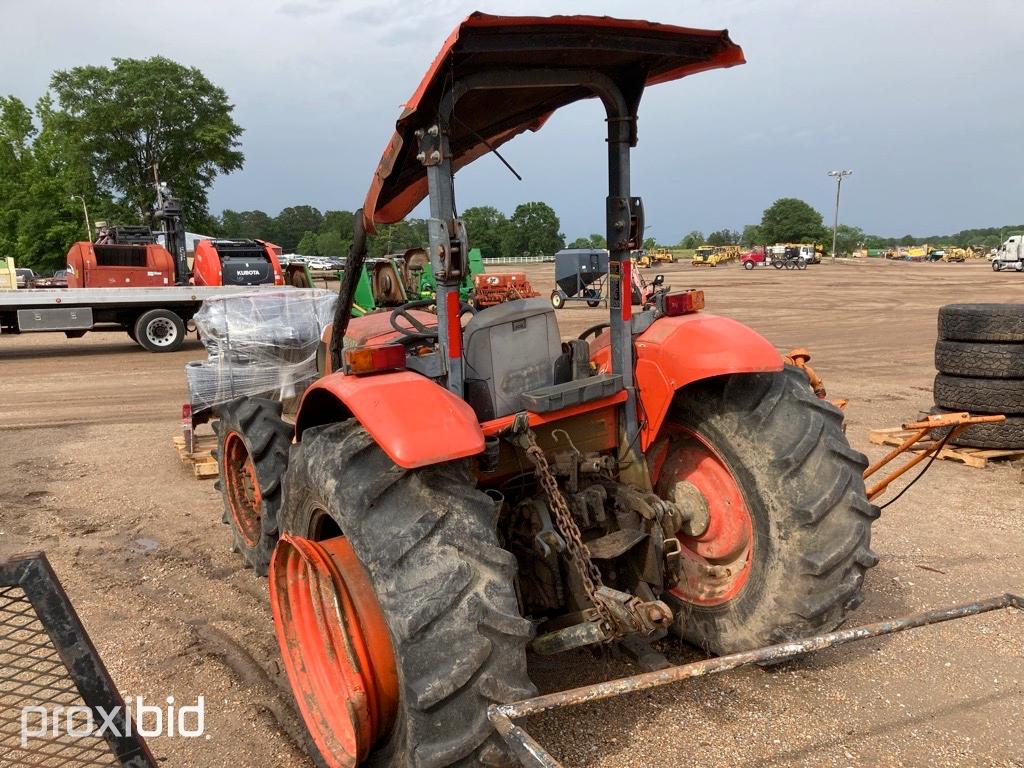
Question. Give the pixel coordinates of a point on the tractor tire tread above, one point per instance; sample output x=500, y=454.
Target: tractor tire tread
x=819, y=534
x=268, y=439
x=418, y=532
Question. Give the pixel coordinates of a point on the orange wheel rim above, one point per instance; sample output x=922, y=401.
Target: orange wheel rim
x=243, y=489
x=716, y=564
x=335, y=644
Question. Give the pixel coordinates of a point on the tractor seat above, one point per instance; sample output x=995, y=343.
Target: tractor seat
x=509, y=349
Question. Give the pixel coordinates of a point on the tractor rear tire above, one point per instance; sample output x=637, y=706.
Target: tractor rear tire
x=811, y=518
x=981, y=322
x=427, y=537
x=252, y=456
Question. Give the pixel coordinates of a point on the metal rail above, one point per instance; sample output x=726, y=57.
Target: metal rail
x=533, y=755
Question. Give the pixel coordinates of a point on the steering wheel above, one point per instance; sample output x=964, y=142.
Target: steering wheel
x=419, y=331
x=595, y=330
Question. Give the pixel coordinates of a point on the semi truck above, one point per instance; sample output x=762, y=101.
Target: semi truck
x=1010, y=255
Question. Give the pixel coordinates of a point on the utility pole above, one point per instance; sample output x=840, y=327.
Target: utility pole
x=838, y=176
x=88, y=226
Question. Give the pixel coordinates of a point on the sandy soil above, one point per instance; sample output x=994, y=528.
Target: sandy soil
x=88, y=474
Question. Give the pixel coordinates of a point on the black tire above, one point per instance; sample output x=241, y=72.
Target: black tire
x=160, y=330
x=1003, y=435
x=985, y=361
x=594, y=303
x=447, y=589
x=962, y=393
x=981, y=322
x=996, y=266
x=557, y=299
x=802, y=484
x=801, y=264
x=778, y=264
x=266, y=438
x=748, y=265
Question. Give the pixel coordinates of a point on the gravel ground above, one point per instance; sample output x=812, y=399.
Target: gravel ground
x=90, y=476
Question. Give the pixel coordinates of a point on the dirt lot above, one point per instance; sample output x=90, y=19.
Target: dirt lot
x=88, y=473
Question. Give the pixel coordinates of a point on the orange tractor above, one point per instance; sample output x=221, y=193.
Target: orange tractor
x=462, y=487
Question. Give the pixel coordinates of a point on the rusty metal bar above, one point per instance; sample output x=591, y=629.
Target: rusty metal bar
x=958, y=421
x=524, y=745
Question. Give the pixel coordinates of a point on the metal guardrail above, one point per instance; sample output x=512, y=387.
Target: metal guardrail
x=49, y=665
x=519, y=260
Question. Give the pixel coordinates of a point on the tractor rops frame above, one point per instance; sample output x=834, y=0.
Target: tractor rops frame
x=425, y=133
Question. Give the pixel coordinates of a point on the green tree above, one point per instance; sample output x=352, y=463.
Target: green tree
x=692, y=239
x=752, y=235
x=789, y=220
x=331, y=244
x=309, y=244
x=650, y=243
x=138, y=113
x=848, y=238
x=579, y=242
x=292, y=223
x=247, y=224
x=398, y=237
x=340, y=223
x=485, y=228
x=723, y=237
x=533, y=229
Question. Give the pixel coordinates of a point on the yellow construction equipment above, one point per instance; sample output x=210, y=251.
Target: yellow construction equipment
x=713, y=255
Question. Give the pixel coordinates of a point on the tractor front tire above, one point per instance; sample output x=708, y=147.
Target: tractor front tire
x=252, y=456
x=427, y=538
x=802, y=486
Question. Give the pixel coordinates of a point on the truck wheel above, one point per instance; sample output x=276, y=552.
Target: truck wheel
x=778, y=264
x=557, y=299
x=160, y=330
x=252, y=456
x=963, y=393
x=748, y=265
x=982, y=322
x=983, y=360
x=788, y=542
x=995, y=266
x=423, y=545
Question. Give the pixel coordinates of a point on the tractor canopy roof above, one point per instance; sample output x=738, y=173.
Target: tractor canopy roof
x=641, y=52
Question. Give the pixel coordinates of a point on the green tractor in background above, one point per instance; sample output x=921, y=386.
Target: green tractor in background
x=387, y=281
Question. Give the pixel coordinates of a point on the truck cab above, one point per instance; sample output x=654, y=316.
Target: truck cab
x=1010, y=255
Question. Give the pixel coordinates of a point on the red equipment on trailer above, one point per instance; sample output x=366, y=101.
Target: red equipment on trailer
x=236, y=262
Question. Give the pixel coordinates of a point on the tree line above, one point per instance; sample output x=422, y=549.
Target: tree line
x=95, y=136
x=100, y=134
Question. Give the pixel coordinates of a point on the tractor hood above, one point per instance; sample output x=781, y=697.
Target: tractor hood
x=639, y=52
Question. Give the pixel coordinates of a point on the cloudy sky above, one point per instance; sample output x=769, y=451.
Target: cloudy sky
x=921, y=98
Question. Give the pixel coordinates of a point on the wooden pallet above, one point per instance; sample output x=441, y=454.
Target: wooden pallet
x=203, y=464
x=972, y=457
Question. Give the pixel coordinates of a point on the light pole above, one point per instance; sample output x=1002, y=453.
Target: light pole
x=838, y=175
x=88, y=227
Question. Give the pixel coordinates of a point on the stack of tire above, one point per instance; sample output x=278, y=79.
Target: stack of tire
x=980, y=360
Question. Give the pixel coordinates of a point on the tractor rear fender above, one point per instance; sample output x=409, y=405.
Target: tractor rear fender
x=677, y=351
x=415, y=421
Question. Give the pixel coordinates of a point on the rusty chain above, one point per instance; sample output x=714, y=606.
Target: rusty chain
x=579, y=555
